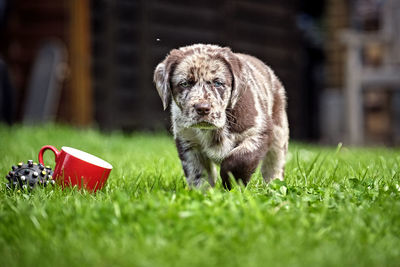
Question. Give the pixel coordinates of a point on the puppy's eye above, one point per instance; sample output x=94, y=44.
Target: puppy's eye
x=218, y=83
x=185, y=84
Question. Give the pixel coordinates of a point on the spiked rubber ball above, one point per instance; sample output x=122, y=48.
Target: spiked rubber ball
x=29, y=175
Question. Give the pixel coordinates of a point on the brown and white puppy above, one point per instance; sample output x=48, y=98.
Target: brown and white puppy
x=228, y=109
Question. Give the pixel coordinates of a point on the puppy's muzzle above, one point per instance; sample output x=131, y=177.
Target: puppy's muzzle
x=202, y=108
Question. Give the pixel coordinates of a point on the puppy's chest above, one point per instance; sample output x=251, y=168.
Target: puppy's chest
x=215, y=145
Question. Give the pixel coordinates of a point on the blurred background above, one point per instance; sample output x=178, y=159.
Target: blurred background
x=90, y=63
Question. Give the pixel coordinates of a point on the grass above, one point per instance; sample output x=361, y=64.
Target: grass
x=337, y=207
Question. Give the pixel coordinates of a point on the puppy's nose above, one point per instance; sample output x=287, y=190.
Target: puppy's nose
x=202, y=108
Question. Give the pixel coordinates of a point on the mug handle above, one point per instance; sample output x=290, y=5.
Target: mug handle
x=43, y=149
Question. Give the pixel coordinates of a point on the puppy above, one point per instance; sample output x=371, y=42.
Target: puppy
x=227, y=108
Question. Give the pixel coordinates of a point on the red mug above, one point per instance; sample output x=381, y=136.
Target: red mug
x=77, y=168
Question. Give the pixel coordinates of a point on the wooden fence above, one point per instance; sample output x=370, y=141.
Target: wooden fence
x=129, y=37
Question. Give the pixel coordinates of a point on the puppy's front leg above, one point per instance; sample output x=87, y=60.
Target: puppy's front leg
x=243, y=161
x=195, y=166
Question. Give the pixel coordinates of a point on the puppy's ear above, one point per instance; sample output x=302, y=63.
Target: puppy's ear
x=239, y=80
x=162, y=76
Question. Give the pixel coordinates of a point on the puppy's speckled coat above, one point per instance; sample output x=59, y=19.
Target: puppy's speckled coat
x=227, y=108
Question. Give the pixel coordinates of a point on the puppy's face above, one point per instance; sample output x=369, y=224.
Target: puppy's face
x=201, y=88
x=200, y=80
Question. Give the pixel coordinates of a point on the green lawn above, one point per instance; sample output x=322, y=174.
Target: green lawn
x=337, y=207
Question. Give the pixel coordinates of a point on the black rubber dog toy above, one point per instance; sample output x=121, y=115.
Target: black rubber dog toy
x=28, y=176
